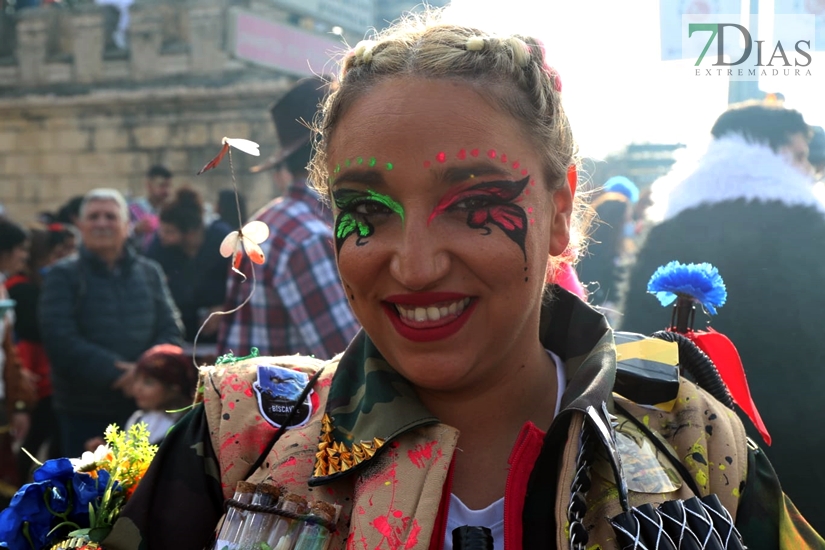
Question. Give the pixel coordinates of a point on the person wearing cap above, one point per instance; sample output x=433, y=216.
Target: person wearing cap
x=300, y=305
x=748, y=206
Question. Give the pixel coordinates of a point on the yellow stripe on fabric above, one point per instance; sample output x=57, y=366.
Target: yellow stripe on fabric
x=649, y=349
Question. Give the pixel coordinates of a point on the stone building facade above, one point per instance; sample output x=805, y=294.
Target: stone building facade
x=77, y=113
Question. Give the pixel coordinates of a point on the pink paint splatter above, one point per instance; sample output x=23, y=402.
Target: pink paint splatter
x=529, y=209
x=526, y=191
x=398, y=513
x=231, y=405
x=524, y=171
x=533, y=182
x=421, y=454
x=412, y=540
x=492, y=153
x=462, y=154
x=248, y=392
x=474, y=152
x=441, y=156
x=427, y=164
x=516, y=165
x=504, y=157
x=382, y=525
x=532, y=221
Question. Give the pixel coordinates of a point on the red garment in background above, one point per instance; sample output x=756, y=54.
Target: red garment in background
x=33, y=358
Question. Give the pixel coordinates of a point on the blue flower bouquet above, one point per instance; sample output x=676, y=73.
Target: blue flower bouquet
x=73, y=503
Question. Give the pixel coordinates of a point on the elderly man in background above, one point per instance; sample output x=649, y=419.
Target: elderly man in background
x=100, y=310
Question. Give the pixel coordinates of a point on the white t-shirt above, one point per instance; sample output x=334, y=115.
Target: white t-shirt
x=492, y=517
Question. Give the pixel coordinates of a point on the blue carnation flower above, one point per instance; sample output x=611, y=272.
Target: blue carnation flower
x=28, y=505
x=57, y=484
x=56, y=469
x=88, y=489
x=701, y=282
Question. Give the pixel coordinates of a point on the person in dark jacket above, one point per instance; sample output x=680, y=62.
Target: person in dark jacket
x=99, y=311
x=189, y=254
x=748, y=207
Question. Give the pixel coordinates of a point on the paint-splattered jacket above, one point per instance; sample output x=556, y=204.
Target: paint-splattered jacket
x=371, y=447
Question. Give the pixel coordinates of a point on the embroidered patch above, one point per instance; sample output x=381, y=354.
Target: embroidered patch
x=278, y=390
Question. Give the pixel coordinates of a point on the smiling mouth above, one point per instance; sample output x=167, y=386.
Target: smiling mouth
x=421, y=322
x=433, y=315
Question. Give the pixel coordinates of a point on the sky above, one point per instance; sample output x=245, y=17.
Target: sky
x=616, y=89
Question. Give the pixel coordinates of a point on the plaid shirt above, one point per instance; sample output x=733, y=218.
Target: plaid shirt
x=299, y=305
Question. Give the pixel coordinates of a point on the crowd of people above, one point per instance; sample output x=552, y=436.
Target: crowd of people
x=420, y=289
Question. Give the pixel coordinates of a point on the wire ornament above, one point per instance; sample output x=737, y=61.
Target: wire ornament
x=246, y=238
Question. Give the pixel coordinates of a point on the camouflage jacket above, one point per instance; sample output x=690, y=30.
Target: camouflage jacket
x=361, y=440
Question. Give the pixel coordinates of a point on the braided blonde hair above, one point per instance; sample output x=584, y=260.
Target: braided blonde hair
x=511, y=71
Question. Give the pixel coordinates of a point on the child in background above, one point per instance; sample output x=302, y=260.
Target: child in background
x=165, y=379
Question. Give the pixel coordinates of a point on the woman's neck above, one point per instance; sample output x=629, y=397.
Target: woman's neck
x=526, y=390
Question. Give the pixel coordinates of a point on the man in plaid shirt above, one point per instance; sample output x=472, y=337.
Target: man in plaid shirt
x=299, y=305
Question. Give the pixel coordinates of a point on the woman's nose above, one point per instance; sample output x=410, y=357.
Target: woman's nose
x=421, y=258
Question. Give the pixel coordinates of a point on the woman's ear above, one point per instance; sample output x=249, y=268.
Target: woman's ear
x=563, y=211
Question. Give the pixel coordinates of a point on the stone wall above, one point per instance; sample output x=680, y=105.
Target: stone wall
x=75, y=114
x=52, y=148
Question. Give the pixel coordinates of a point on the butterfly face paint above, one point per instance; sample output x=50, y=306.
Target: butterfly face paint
x=356, y=212
x=491, y=202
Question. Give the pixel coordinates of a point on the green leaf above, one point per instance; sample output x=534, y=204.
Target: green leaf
x=92, y=518
x=346, y=226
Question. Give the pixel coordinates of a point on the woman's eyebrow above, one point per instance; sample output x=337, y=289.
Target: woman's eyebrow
x=373, y=178
x=458, y=174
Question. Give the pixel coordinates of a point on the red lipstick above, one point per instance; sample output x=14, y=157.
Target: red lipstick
x=429, y=331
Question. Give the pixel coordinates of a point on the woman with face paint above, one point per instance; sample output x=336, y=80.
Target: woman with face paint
x=476, y=393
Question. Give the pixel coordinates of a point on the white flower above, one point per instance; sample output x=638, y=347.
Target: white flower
x=90, y=460
x=248, y=238
x=245, y=145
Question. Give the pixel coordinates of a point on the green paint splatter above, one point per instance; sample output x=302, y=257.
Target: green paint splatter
x=389, y=166
x=337, y=168
x=229, y=358
x=346, y=163
x=372, y=161
x=360, y=160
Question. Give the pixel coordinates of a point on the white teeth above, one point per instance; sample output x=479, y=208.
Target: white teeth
x=432, y=313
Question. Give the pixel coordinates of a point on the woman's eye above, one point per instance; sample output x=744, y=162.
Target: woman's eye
x=473, y=203
x=367, y=208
